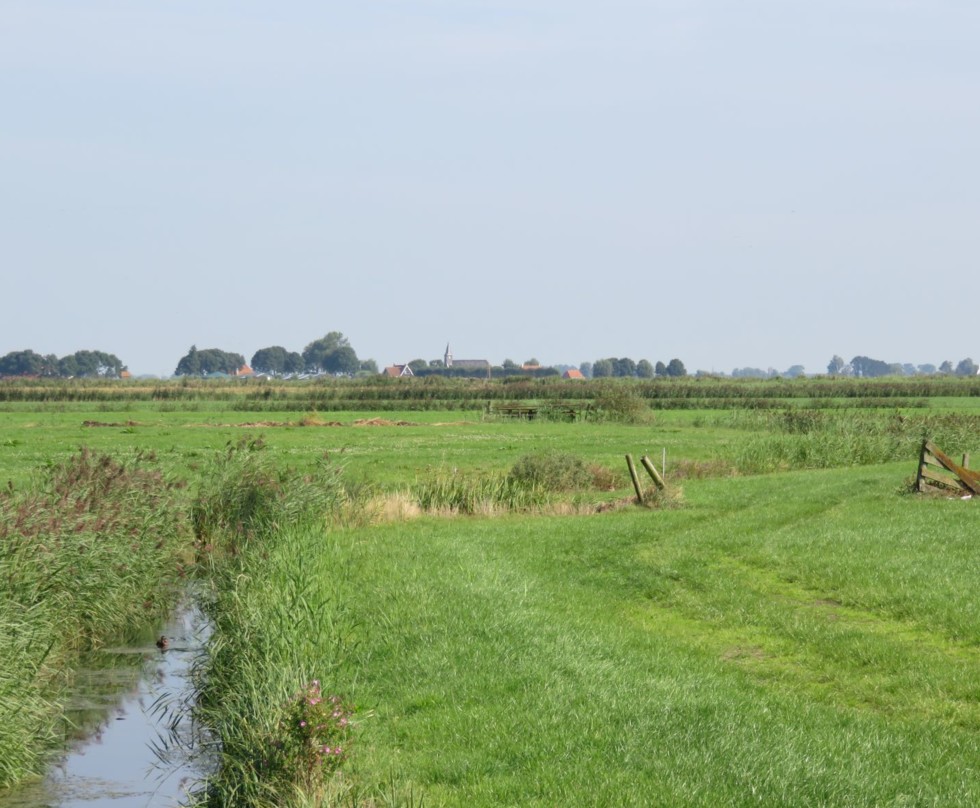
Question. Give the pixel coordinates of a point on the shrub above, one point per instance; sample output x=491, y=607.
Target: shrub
x=622, y=403
x=553, y=471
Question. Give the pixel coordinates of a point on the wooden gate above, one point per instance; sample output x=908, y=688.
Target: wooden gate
x=938, y=470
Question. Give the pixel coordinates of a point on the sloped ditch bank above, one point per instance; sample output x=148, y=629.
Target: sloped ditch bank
x=130, y=708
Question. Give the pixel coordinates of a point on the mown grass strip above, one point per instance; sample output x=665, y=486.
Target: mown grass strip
x=674, y=658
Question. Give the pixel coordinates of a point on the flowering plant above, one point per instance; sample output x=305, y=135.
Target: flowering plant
x=312, y=738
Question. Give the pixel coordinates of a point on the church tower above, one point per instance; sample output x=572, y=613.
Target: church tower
x=448, y=358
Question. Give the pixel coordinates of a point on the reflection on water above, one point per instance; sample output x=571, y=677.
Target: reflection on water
x=128, y=710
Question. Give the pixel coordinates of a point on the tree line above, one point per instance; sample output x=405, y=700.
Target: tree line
x=626, y=367
x=332, y=353
x=79, y=364
x=866, y=367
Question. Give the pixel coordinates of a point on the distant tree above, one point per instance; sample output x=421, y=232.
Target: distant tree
x=966, y=367
x=836, y=366
x=586, y=369
x=644, y=369
x=22, y=363
x=294, y=362
x=660, y=369
x=602, y=368
x=68, y=367
x=319, y=354
x=794, y=371
x=436, y=364
x=946, y=367
x=927, y=369
x=208, y=361
x=868, y=368
x=342, y=360
x=510, y=364
x=369, y=366
x=189, y=364
x=97, y=363
x=909, y=369
x=418, y=364
x=624, y=367
x=270, y=360
x=676, y=368
x=532, y=362
x=749, y=373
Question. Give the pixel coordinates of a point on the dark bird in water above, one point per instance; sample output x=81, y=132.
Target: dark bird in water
x=163, y=642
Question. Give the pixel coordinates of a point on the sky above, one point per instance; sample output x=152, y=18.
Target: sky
x=735, y=183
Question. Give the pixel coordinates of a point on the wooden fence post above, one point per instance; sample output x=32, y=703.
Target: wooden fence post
x=652, y=471
x=635, y=478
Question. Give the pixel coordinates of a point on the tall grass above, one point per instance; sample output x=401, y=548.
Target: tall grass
x=436, y=393
x=94, y=546
x=246, y=494
x=278, y=633
x=807, y=439
x=534, y=482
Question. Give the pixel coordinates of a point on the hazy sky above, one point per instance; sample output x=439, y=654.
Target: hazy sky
x=731, y=182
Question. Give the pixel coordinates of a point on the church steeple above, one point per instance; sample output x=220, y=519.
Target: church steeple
x=448, y=358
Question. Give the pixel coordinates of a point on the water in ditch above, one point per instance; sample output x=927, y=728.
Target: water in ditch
x=129, y=748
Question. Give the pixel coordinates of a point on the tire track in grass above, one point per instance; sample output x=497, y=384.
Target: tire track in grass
x=801, y=639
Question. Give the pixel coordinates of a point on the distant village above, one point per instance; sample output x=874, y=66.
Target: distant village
x=332, y=355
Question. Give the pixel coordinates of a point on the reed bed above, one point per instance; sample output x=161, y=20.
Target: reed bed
x=328, y=394
x=810, y=439
x=92, y=547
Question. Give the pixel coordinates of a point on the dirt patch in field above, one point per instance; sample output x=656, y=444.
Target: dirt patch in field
x=738, y=652
x=830, y=602
x=381, y=422
x=303, y=422
x=110, y=423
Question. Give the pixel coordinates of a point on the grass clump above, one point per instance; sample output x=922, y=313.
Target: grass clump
x=558, y=471
x=532, y=485
x=471, y=494
x=620, y=403
x=246, y=494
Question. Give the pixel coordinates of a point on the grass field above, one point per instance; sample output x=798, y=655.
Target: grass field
x=807, y=636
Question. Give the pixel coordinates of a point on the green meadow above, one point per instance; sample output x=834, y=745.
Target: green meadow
x=503, y=625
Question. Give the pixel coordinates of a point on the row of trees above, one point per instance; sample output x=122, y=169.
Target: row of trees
x=80, y=363
x=866, y=367
x=626, y=367
x=331, y=353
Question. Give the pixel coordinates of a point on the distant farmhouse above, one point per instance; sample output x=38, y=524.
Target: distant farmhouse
x=397, y=371
x=465, y=364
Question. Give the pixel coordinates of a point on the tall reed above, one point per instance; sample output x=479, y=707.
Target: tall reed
x=93, y=546
x=266, y=690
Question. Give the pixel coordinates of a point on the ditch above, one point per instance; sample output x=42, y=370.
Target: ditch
x=130, y=742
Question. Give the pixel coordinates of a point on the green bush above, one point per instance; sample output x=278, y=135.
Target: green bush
x=246, y=493
x=554, y=471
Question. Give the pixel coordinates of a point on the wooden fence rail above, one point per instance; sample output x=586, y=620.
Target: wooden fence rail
x=938, y=470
